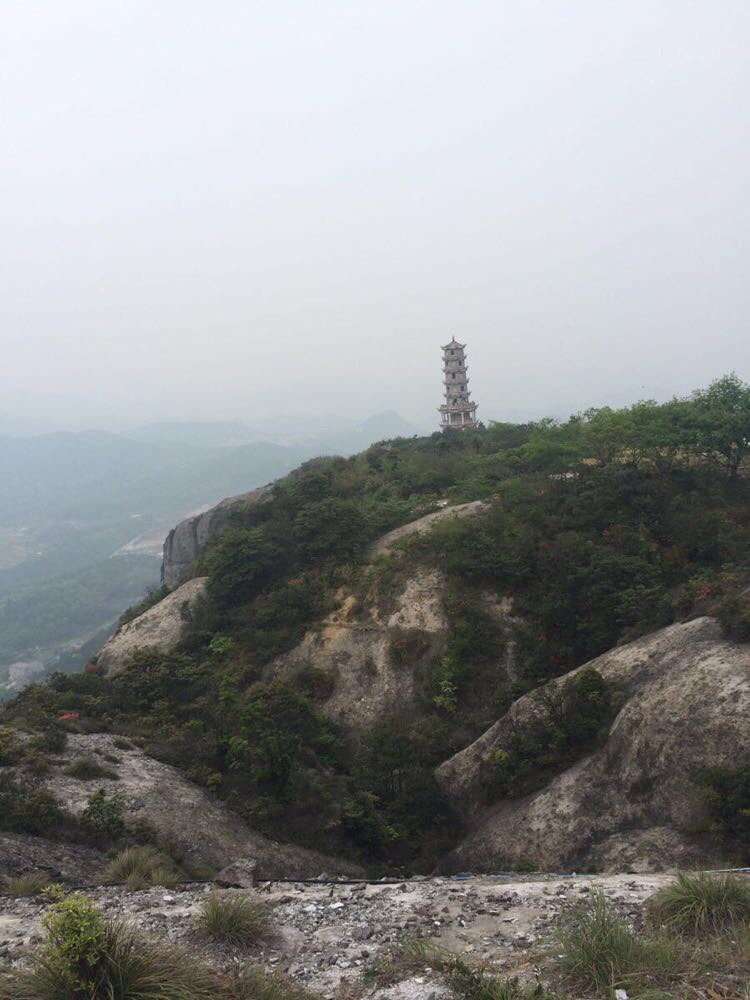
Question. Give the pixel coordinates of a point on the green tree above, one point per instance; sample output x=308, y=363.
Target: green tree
x=723, y=421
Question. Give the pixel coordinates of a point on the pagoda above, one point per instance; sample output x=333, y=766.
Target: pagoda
x=457, y=410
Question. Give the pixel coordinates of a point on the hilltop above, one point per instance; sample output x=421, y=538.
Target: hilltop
x=515, y=646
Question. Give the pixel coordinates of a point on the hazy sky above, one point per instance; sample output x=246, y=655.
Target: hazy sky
x=225, y=209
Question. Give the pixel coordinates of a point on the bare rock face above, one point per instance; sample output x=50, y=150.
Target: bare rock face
x=185, y=542
x=423, y=524
x=198, y=827
x=367, y=658
x=158, y=628
x=22, y=854
x=631, y=803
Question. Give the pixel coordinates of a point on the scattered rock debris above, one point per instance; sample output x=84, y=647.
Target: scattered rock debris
x=326, y=934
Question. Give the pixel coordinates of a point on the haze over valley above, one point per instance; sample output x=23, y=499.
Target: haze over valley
x=83, y=517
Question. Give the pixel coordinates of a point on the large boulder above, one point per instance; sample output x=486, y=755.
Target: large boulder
x=632, y=803
x=199, y=828
x=158, y=628
x=185, y=542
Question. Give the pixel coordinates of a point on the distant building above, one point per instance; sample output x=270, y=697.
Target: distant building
x=457, y=411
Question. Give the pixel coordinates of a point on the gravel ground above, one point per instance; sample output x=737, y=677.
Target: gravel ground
x=323, y=934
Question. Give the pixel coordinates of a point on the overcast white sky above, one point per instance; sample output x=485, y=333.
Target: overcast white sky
x=225, y=209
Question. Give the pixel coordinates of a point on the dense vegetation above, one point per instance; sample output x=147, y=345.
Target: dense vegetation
x=600, y=528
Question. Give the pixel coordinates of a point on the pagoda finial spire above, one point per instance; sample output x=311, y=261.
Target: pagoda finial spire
x=457, y=411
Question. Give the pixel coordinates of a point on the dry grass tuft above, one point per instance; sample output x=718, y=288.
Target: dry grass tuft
x=233, y=919
x=139, y=867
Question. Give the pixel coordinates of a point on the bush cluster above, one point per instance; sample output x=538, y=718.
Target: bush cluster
x=570, y=719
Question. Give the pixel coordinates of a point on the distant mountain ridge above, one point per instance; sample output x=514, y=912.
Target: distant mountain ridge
x=70, y=500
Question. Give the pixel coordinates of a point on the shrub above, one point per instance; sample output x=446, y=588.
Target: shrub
x=117, y=962
x=25, y=807
x=571, y=719
x=103, y=818
x=702, y=903
x=234, y=920
x=76, y=940
x=734, y=615
x=26, y=885
x=88, y=769
x=727, y=795
x=50, y=740
x=600, y=951
x=152, y=597
x=141, y=866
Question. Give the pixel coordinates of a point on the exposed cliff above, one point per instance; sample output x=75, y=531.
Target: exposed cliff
x=631, y=803
x=184, y=542
x=158, y=628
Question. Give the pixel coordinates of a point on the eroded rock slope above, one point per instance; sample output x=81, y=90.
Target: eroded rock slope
x=158, y=628
x=198, y=828
x=632, y=804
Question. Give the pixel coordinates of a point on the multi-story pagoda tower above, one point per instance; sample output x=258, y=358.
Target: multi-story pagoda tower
x=457, y=410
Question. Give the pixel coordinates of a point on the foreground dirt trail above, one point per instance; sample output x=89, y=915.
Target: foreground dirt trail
x=323, y=934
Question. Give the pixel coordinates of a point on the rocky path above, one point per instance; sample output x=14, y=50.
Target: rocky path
x=323, y=934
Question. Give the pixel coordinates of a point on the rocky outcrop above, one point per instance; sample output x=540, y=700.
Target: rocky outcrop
x=385, y=544
x=366, y=659
x=631, y=803
x=198, y=828
x=158, y=628
x=185, y=542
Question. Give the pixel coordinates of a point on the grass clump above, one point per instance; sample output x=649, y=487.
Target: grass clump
x=30, y=884
x=86, y=956
x=257, y=983
x=233, y=919
x=601, y=951
x=88, y=769
x=141, y=866
x=702, y=903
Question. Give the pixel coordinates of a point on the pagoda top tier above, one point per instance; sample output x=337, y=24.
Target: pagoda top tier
x=453, y=345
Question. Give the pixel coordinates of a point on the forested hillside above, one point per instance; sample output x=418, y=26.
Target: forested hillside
x=595, y=531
